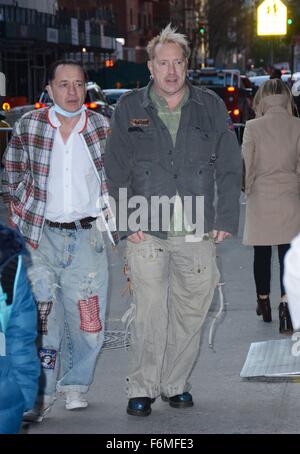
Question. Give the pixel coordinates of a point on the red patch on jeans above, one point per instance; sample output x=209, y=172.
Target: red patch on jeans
x=90, y=315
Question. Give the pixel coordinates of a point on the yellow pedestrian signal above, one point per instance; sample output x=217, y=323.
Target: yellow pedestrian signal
x=272, y=18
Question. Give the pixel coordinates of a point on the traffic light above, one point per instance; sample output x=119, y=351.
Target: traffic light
x=202, y=30
x=290, y=21
x=109, y=63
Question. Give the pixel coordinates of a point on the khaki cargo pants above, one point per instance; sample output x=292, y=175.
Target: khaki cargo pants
x=173, y=285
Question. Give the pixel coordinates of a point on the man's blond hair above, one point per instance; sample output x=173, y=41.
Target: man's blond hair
x=169, y=35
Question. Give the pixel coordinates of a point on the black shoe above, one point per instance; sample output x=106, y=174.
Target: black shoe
x=285, y=322
x=264, y=308
x=139, y=406
x=180, y=400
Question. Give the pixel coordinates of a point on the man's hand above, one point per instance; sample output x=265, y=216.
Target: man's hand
x=136, y=237
x=220, y=235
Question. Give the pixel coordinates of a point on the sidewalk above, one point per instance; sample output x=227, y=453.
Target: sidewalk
x=224, y=403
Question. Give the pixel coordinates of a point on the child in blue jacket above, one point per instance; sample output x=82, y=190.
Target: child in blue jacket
x=19, y=364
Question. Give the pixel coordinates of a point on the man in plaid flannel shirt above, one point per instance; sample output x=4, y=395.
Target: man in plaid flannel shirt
x=55, y=187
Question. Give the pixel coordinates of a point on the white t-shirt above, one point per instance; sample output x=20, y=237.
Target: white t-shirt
x=73, y=186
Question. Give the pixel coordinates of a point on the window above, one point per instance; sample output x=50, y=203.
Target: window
x=9, y=14
x=31, y=17
x=18, y=15
x=131, y=16
x=212, y=79
x=95, y=94
x=23, y=15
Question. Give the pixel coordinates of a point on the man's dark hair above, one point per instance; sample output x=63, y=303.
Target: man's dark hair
x=53, y=67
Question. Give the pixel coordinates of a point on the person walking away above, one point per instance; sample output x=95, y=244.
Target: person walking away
x=55, y=187
x=171, y=140
x=271, y=151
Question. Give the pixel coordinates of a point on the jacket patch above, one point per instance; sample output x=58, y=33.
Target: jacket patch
x=47, y=357
x=139, y=121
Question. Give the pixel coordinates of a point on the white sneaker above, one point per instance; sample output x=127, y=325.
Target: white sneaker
x=75, y=399
x=37, y=414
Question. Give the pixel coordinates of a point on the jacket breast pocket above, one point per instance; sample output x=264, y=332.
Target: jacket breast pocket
x=202, y=144
x=143, y=142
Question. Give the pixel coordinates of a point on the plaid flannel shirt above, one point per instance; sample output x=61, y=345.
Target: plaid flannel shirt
x=26, y=170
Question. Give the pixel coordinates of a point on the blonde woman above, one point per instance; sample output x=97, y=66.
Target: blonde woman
x=271, y=151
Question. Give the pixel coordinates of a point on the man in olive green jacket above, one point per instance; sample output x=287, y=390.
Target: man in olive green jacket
x=171, y=141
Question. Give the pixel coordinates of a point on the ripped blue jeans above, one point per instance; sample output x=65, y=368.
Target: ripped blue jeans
x=69, y=277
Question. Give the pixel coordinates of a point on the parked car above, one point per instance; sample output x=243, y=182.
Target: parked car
x=256, y=72
x=247, y=86
x=95, y=100
x=296, y=88
x=295, y=77
x=231, y=86
x=13, y=114
x=5, y=129
x=113, y=94
x=257, y=81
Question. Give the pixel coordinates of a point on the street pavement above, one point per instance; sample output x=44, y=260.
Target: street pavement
x=224, y=403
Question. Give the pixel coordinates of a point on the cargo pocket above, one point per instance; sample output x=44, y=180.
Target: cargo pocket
x=145, y=259
x=205, y=261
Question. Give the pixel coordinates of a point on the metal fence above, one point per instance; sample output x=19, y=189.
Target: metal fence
x=239, y=130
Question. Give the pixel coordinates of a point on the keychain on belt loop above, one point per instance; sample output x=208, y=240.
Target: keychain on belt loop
x=215, y=317
x=128, y=285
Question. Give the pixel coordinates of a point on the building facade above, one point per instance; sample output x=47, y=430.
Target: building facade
x=135, y=24
x=34, y=33
x=32, y=37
